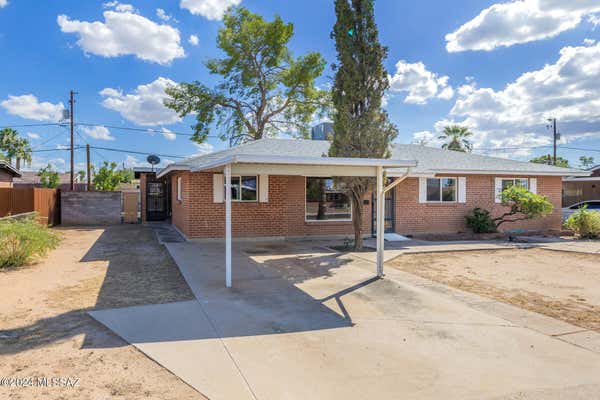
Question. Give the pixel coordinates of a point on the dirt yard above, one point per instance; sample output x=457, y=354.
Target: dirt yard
x=46, y=333
x=562, y=285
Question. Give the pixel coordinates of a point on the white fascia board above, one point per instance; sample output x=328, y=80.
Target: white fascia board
x=171, y=168
x=507, y=172
x=583, y=179
x=321, y=161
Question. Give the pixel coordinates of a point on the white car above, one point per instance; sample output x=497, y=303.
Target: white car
x=592, y=205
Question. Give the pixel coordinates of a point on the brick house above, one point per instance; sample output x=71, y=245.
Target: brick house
x=283, y=188
x=7, y=174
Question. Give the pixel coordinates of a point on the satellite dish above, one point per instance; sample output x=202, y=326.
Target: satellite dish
x=153, y=159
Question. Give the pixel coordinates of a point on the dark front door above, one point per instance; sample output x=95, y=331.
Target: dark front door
x=389, y=212
x=156, y=201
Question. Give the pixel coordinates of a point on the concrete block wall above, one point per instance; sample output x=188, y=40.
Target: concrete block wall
x=91, y=208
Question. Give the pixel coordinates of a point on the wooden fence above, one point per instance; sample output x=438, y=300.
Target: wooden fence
x=45, y=202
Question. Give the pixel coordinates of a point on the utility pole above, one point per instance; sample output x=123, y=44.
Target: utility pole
x=72, y=107
x=555, y=137
x=89, y=169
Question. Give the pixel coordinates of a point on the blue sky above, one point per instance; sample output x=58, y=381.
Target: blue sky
x=499, y=68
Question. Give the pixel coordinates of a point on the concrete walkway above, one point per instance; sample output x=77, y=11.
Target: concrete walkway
x=305, y=323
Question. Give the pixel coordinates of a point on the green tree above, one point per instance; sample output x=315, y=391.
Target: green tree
x=361, y=128
x=547, y=159
x=49, y=178
x=108, y=178
x=81, y=175
x=15, y=147
x=457, y=138
x=262, y=89
x=586, y=162
x=522, y=205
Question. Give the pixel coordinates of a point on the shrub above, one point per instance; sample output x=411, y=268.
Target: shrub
x=480, y=221
x=522, y=205
x=21, y=241
x=586, y=224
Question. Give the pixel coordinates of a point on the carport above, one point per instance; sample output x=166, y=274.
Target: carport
x=244, y=164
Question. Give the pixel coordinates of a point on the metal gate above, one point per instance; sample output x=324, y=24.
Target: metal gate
x=389, y=220
x=156, y=201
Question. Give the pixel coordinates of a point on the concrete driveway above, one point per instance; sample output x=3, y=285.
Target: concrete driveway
x=303, y=322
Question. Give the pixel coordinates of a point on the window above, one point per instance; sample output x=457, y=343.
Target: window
x=326, y=202
x=441, y=190
x=519, y=182
x=243, y=188
x=179, y=190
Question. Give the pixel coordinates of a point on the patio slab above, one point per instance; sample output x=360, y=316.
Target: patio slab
x=302, y=322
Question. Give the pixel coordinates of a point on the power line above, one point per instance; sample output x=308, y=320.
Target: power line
x=126, y=128
x=34, y=125
x=135, y=152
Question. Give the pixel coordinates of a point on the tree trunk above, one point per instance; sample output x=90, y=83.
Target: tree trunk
x=357, y=207
x=18, y=164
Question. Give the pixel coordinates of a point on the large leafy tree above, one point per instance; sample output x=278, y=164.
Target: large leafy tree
x=457, y=138
x=547, y=159
x=361, y=126
x=15, y=147
x=49, y=178
x=263, y=89
x=108, y=178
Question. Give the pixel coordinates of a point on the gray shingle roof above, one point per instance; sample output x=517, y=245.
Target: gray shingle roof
x=430, y=160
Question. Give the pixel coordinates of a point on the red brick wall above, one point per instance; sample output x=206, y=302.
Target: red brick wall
x=414, y=217
x=197, y=216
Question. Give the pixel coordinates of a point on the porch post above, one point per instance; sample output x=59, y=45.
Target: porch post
x=228, y=225
x=380, y=221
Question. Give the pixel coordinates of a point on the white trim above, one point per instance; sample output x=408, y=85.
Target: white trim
x=321, y=221
x=179, y=189
x=263, y=188
x=588, y=179
x=441, y=193
x=171, y=168
x=462, y=189
x=228, y=226
x=218, y=194
x=527, y=173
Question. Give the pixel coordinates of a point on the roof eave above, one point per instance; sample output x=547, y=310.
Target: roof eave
x=506, y=172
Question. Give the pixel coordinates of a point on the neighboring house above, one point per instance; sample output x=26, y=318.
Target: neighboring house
x=283, y=188
x=578, y=189
x=31, y=179
x=7, y=174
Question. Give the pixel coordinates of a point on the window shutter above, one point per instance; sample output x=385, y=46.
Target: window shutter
x=422, y=190
x=462, y=189
x=263, y=188
x=498, y=190
x=218, y=188
x=533, y=185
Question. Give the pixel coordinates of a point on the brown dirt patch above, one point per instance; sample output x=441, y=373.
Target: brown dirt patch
x=561, y=285
x=46, y=332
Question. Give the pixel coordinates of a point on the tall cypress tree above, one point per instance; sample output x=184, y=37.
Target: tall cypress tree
x=361, y=127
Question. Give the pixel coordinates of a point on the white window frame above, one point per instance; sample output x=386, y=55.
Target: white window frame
x=321, y=221
x=440, y=201
x=514, y=180
x=179, y=189
x=240, y=191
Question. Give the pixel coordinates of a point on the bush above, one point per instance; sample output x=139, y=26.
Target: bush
x=21, y=241
x=586, y=224
x=480, y=221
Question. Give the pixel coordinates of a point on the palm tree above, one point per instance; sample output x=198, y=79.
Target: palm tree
x=15, y=147
x=456, y=138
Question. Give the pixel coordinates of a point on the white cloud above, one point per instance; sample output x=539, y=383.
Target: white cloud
x=3, y=3
x=124, y=32
x=203, y=148
x=193, y=40
x=522, y=21
x=516, y=116
x=169, y=135
x=162, y=14
x=594, y=20
x=589, y=42
x=420, y=84
x=133, y=162
x=98, y=132
x=210, y=9
x=28, y=106
x=427, y=138
x=119, y=6
x=144, y=106
x=33, y=136
x=39, y=162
